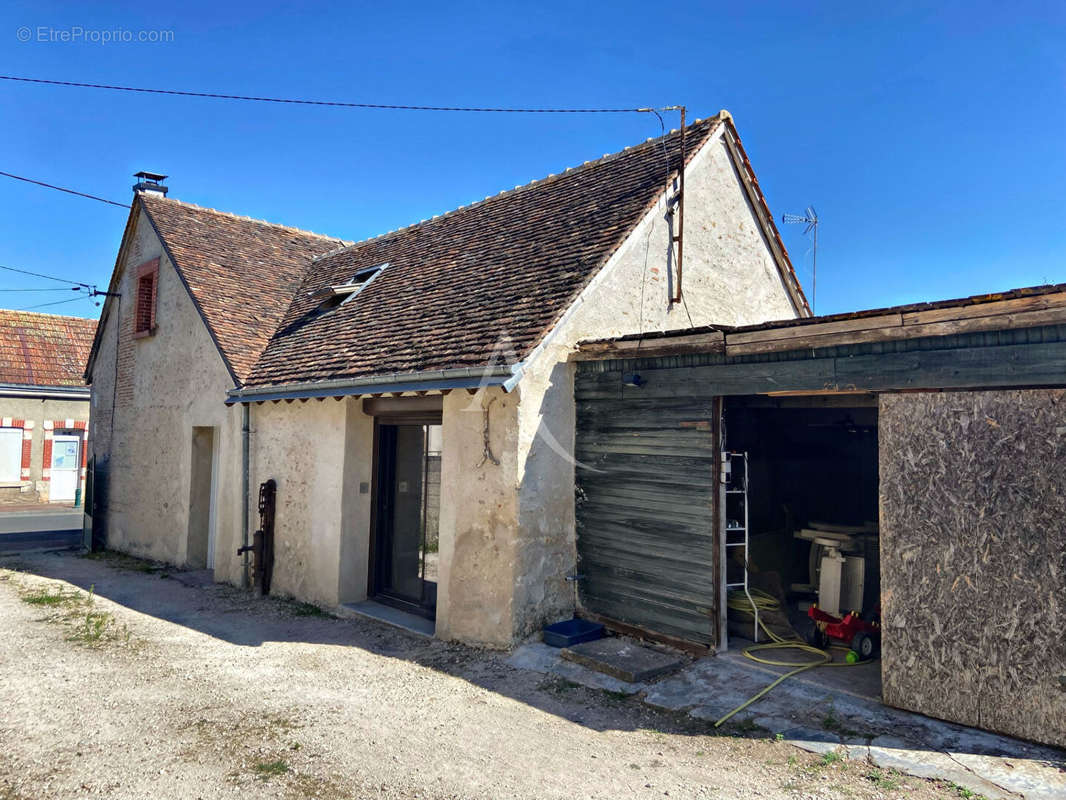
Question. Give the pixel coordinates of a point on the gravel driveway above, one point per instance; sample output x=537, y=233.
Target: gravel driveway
x=152, y=688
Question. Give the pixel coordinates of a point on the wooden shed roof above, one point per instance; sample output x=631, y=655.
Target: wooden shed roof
x=1018, y=308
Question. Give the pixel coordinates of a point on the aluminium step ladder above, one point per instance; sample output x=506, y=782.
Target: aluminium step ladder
x=735, y=475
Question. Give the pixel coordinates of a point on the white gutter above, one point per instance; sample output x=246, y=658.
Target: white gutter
x=54, y=392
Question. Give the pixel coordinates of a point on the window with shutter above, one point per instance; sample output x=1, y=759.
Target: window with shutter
x=145, y=301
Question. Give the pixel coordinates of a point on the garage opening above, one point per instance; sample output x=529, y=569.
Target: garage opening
x=800, y=529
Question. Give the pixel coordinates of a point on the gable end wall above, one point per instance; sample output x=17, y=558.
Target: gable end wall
x=164, y=385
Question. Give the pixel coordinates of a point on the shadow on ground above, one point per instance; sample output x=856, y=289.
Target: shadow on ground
x=813, y=716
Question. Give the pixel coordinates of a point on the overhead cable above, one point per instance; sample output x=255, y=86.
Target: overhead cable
x=62, y=189
x=336, y=103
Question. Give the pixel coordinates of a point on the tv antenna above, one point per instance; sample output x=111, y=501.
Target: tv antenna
x=810, y=219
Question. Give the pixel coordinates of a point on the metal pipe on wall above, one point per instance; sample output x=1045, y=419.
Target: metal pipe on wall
x=245, y=466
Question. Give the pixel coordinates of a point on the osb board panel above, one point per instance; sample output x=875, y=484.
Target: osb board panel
x=973, y=558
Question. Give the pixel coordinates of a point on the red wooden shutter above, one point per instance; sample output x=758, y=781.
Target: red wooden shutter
x=145, y=301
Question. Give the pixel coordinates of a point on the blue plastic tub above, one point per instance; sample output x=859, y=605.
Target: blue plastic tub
x=572, y=631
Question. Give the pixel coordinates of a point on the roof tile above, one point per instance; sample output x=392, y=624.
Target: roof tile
x=498, y=273
x=44, y=349
x=242, y=272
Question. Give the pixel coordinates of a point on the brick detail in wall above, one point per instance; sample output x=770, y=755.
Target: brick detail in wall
x=126, y=344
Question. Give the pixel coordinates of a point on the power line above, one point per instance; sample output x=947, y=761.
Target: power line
x=61, y=189
x=339, y=104
x=48, y=277
x=72, y=289
x=53, y=303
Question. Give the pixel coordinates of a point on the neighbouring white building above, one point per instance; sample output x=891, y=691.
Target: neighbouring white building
x=44, y=407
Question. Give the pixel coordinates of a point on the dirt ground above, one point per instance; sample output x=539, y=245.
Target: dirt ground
x=152, y=688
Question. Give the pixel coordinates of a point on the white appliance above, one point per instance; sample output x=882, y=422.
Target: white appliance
x=839, y=574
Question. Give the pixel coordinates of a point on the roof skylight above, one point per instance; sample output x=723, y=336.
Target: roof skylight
x=338, y=294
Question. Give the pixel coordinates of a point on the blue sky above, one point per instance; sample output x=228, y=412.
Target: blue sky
x=930, y=137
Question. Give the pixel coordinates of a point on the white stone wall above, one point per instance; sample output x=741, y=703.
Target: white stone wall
x=478, y=519
x=169, y=383
x=319, y=453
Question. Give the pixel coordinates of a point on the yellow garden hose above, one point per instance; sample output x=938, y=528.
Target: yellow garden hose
x=738, y=601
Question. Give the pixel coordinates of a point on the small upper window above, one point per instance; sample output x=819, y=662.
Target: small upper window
x=333, y=296
x=147, y=290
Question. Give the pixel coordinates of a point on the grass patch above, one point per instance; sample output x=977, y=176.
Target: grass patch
x=93, y=628
x=882, y=780
x=51, y=598
x=77, y=611
x=830, y=758
x=270, y=769
x=967, y=794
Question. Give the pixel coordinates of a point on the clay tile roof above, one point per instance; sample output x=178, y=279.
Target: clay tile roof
x=241, y=272
x=502, y=270
x=44, y=349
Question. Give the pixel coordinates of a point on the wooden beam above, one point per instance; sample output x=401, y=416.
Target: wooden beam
x=816, y=329
x=915, y=326
x=637, y=632
x=1011, y=321
x=850, y=399
x=712, y=342
x=813, y=341
x=1035, y=303
x=383, y=406
x=1020, y=366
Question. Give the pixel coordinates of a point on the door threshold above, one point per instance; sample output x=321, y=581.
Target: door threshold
x=370, y=609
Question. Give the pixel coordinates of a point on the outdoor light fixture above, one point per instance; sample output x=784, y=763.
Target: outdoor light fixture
x=633, y=379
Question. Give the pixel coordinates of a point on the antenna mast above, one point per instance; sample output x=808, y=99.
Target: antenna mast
x=810, y=219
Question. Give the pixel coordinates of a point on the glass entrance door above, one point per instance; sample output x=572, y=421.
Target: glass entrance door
x=408, y=503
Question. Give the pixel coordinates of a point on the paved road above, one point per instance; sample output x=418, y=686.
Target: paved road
x=36, y=529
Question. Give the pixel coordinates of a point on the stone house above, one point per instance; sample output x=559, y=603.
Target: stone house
x=44, y=406
x=411, y=395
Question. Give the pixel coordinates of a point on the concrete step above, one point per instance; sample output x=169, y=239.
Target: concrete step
x=623, y=659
